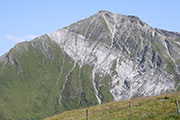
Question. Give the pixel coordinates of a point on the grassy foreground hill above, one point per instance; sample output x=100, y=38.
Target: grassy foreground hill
x=161, y=107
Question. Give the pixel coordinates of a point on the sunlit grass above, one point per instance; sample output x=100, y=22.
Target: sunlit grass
x=161, y=107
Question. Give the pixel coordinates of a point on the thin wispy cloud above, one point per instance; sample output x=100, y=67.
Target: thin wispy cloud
x=14, y=38
x=30, y=37
x=20, y=39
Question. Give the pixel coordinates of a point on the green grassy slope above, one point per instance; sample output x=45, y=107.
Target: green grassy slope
x=160, y=107
x=39, y=81
x=29, y=92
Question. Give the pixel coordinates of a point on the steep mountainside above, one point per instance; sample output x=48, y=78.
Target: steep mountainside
x=102, y=58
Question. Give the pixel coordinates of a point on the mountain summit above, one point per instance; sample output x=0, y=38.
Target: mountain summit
x=102, y=58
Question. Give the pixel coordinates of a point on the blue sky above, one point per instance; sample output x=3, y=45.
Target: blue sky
x=25, y=19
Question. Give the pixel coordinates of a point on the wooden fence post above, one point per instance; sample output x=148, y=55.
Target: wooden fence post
x=131, y=115
x=177, y=106
x=86, y=114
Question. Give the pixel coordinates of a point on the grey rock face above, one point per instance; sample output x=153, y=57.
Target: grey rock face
x=141, y=60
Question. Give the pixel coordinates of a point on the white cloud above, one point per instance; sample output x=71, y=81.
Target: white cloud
x=14, y=38
x=30, y=36
x=20, y=39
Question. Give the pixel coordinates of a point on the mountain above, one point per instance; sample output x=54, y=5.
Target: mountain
x=102, y=58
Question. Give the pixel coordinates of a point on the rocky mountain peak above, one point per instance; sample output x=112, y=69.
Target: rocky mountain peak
x=106, y=38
